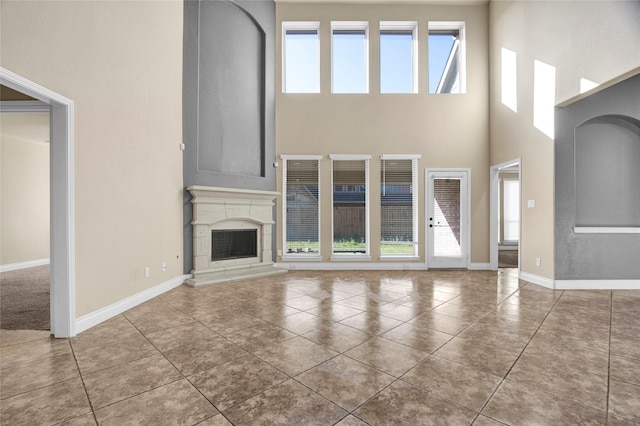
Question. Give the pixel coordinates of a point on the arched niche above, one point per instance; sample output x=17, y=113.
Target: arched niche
x=231, y=91
x=607, y=172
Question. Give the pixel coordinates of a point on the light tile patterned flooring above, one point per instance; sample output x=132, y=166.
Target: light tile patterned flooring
x=347, y=348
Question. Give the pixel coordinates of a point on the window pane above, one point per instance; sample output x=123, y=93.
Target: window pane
x=349, y=61
x=446, y=218
x=511, y=206
x=302, y=63
x=349, y=206
x=302, y=204
x=397, y=207
x=444, y=75
x=396, y=61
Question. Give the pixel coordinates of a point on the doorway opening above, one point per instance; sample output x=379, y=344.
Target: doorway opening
x=505, y=214
x=62, y=239
x=25, y=243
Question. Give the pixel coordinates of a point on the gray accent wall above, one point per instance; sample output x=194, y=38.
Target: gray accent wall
x=228, y=99
x=597, y=184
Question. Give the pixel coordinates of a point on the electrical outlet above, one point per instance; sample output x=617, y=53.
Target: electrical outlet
x=538, y=263
x=147, y=272
x=164, y=266
x=531, y=203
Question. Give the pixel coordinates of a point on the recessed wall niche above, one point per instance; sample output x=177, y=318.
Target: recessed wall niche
x=607, y=175
x=231, y=106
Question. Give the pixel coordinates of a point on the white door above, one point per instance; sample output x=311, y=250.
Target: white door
x=447, y=219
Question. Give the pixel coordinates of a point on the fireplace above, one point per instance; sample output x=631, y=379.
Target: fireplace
x=233, y=244
x=231, y=234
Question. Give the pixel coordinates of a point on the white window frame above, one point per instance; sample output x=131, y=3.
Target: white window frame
x=367, y=202
x=462, y=48
x=300, y=256
x=352, y=26
x=298, y=25
x=404, y=26
x=414, y=206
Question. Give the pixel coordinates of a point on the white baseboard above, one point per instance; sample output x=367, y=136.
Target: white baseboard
x=23, y=265
x=85, y=322
x=537, y=279
x=597, y=284
x=351, y=266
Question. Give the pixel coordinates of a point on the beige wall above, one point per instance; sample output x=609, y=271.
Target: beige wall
x=24, y=192
x=596, y=40
x=121, y=63
x=449, y=131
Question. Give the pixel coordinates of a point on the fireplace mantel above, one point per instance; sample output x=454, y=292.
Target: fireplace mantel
x=216, y=208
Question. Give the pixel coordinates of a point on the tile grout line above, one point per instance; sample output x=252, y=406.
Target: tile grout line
x=606, y=413
x=84, y=386
x=519, y=356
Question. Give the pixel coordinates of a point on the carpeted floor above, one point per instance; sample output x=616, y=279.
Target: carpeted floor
x=24, y=299
x=508, y=259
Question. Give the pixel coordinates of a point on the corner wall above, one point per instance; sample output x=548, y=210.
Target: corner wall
x=121, y=64
x=228, y=99
x=598, y=184
x=595, y=40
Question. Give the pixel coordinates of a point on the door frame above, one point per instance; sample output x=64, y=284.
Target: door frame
x=494, y=208
x=62, y=219
x=466, y=235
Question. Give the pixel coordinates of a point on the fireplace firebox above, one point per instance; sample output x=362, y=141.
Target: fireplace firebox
x=229, y=244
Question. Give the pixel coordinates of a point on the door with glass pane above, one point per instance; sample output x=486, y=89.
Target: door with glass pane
x=447, y=219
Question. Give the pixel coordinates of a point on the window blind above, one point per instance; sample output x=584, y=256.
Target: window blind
x=398, y=204
x=350, y=214
x=301, y=185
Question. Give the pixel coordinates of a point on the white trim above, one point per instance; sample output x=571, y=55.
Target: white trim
x=18, y=107
x=85, y=322
x=401, y=156
x=349, y=157
x=355, y=257
x=23, y=265
x=597, y=284
x=606, y=229
x=480, y=267
x=301, y=258
x=353, y=266
x=536, y=279
x=508, y=247
x=392, y=257
x=301, y=157
x=62, y=213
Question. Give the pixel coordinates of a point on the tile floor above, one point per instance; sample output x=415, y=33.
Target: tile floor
x=347, y=348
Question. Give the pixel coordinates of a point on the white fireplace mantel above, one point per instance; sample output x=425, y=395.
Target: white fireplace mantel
x=216, y=208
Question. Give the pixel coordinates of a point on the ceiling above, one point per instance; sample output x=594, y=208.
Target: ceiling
x=8, y=94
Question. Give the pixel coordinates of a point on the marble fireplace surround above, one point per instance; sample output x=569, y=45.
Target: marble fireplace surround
x=217, y=208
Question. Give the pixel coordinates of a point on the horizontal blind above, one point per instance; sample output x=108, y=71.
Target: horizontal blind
x=350, y=206
x=398, y=206
x=302, y=206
